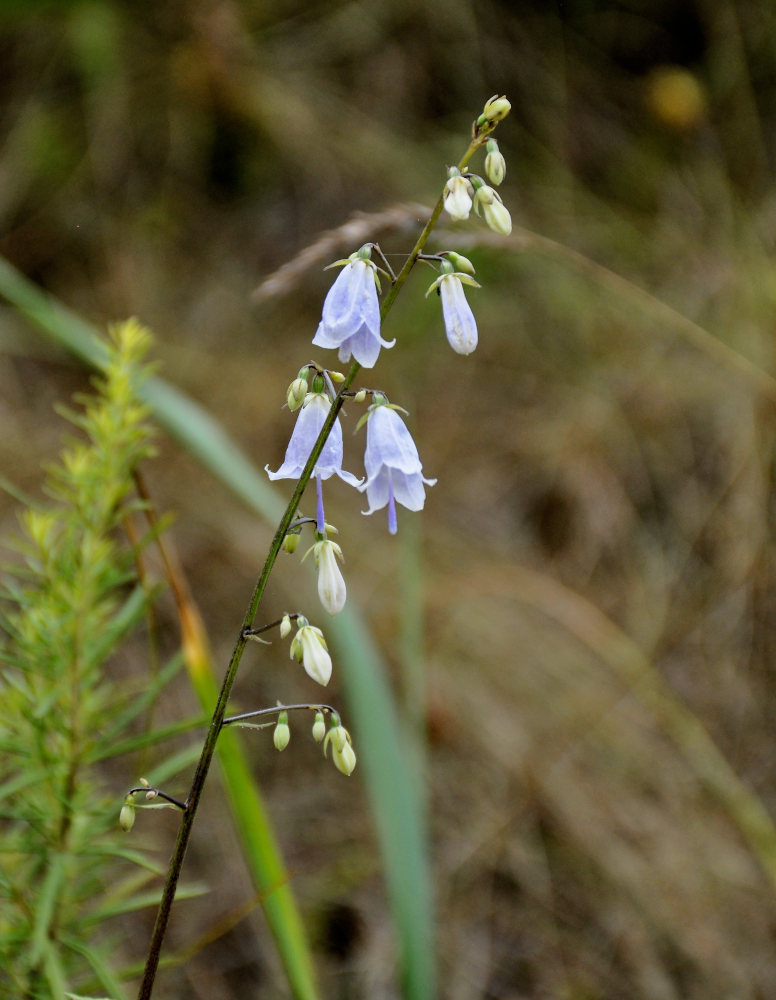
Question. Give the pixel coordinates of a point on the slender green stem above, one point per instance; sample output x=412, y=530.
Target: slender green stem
x=219, y=712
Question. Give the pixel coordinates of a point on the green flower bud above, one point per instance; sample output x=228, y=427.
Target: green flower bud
x=282, y=734
x=360, y=396
x=290, y=542
x=296, y=393
x=127, y=816
x=459, y=262
x=495, y=164
x=319, y=727
x=496, y=109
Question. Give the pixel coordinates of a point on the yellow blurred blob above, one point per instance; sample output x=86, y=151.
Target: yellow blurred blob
x=676, y=97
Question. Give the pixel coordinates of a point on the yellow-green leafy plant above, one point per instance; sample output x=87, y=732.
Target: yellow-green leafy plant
x=69, y=601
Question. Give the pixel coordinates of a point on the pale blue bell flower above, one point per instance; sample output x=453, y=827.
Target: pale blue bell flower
x=306, y=430
x=351, y=315
x=393, y=468
x=460, y=325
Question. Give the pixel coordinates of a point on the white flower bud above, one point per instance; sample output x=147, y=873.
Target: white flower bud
x=458, y=196
x=344, y=759
x=331, y=584
x=495, y=164
x=342, y=752
x=309, y=647
x=285, y=626
x=488, y=204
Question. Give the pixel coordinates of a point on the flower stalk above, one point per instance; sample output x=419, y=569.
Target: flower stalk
x=343, y=753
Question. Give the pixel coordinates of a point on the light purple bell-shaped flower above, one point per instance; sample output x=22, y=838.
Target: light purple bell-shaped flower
x=393, y=468
x=351, y=315
x=460, y=325
x=305, y=434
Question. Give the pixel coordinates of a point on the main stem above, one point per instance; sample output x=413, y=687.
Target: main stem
x=219, y=712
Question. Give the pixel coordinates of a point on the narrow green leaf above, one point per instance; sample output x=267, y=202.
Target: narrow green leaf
x=99, y=967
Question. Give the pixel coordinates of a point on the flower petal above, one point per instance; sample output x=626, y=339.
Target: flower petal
x=460, y=325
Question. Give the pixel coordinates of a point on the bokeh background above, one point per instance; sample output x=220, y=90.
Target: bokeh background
x=597, y=574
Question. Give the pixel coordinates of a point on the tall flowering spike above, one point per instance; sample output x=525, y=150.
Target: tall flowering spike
x=331, y=584
x=306, y=430
x=393, y=468
x=460, y=325
x=351, y=313
x=309, y=648
x=458, y=194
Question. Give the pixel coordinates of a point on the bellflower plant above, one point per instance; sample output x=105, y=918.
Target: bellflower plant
x=352, y=320
x=351, y=313
x=393, y=468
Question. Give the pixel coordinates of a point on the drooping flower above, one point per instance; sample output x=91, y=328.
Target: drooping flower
x=458, y=195
x=331, y=584
x=305, y=434
x=489, y=205
x=460, y=325
x=351, y=313
x=393, y=468
x=309, y=648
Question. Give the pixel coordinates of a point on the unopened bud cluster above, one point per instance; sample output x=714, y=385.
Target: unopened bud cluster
x=342, y=752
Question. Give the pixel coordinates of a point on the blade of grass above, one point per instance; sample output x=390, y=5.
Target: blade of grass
x=392, y=785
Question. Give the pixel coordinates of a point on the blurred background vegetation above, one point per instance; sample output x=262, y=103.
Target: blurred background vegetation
x=598, y=564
